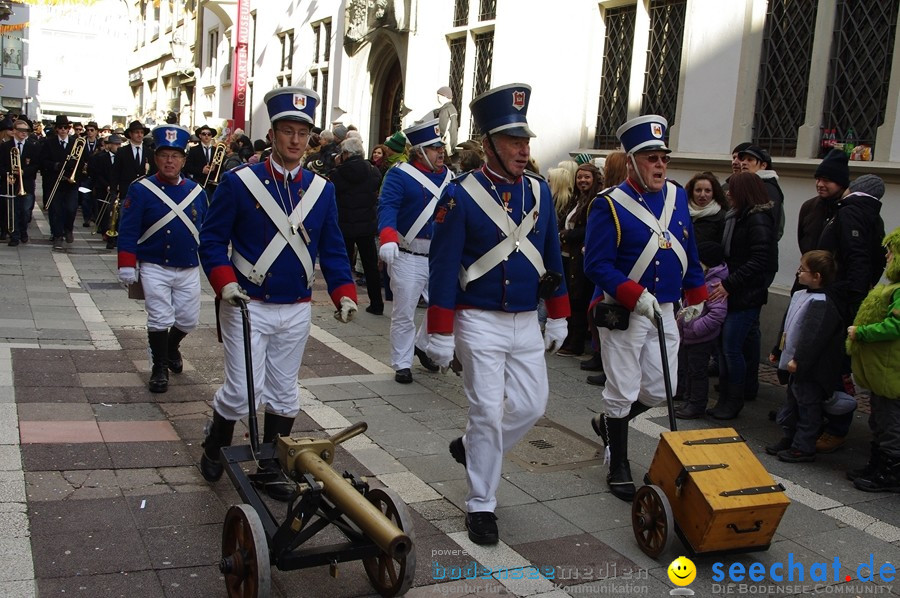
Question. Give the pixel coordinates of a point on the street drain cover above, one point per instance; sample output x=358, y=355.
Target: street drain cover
x=548, y=447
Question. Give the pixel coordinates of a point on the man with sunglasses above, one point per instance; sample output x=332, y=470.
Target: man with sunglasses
x=199, y=157
x=641, y=254
x=85, y=194
x=29, y=152
x=266, y=226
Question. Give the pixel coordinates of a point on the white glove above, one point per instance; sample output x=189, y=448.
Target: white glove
x=347, y=310
x=440, y=350
x=232, y=291
x=555, y=332
x=127, y=275
x=388, y=252
x=692, y=311
x=647, y=306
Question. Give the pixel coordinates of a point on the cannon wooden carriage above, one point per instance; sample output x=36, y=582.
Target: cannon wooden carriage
x=374, y=521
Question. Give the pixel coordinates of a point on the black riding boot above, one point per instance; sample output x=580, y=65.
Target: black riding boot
x=619, y=477
x=598, y=422
x=218, y=434
x=276, y=484
x=159, y=374
x=176, y=365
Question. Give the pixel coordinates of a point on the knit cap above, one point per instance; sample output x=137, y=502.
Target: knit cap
x=396, y=142
x=835, y=168
x=869, y=184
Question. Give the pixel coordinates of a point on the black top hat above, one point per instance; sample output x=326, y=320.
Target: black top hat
x=61, y=121
x=92, y=123
x=6, y=124
x=205, y=128
x=134, y=126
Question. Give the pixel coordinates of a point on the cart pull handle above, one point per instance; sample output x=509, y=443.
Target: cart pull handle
x=349, y=432
x=248, y=368
x=757, y=525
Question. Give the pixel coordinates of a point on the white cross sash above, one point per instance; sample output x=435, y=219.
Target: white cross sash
x=174, y=210
x=256, y=273
x=435, y=191
x=518, y=239
x=643, y=214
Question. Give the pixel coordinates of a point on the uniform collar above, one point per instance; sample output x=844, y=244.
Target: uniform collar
x=497, y=178
x=278, y=170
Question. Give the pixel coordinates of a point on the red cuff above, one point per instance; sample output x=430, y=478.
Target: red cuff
x=440, y=320
x=388, y=235
x=558, y=307
x=628, y=293
x=127, y=260
x=220, y=276
x=696, y=295
x=345, y=290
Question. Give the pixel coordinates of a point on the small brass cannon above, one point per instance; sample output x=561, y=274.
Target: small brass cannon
x=375, y=521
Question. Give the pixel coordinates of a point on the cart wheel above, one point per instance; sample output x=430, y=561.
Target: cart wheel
x=652, y=521
x=390, y=576
x=245, y=554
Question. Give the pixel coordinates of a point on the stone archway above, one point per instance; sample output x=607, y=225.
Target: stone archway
x=387, y=72
x=391, y=102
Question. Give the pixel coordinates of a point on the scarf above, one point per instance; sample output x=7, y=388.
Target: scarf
x=730, y=220
x=711, y=209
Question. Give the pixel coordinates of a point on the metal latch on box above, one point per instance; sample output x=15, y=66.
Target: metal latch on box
x=752, y=491
x=717, y=440
x=689, y=469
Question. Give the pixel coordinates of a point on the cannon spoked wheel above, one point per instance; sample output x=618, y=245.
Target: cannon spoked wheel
x=652, y=521
x=245, y=554
x=391, y=576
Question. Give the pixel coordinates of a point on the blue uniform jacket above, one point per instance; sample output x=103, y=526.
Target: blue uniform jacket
x=401, y=201
x=234, y=217
x=609, y=256
x=463, y=233
x=172, y=245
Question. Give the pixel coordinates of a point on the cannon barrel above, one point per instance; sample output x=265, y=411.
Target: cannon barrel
x=305, y=455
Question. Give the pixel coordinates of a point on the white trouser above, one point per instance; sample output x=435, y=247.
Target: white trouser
x=172, y=296
x=278, y=333
x=409, y=281
x=502, y=354
x=632, y=363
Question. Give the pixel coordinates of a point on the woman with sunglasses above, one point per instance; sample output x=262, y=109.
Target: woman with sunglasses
x=751, y=254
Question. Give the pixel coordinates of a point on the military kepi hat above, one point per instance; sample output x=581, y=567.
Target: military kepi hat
x=424, y=134
x=503, y=110
x=171, y=137
x=292, y=103
x=643, y=134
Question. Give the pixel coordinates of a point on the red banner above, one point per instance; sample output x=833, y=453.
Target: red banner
x=239, y=77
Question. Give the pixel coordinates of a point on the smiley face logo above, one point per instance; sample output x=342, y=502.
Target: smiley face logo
x=682, y=571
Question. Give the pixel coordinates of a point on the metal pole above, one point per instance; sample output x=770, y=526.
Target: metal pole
x=664, y=354
x=248, y=367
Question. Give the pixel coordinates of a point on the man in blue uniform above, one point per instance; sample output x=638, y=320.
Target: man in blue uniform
x=405, y=213
x=159, y=235
x=495, y=251
x=277, y=218
x=640, y=252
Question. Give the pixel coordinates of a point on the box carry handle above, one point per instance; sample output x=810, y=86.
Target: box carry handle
x=756, y=527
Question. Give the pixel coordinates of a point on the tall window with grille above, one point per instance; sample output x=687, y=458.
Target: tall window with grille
x=484, y=61
x=460, y=13
x=784, y=75
x=487, y=10
x=619, y=41
x=664, y=58
x=457, y=68
x=861, y=51
x=319, y=69
x=287, y=58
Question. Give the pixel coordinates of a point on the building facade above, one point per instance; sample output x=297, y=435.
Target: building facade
x=18, y=82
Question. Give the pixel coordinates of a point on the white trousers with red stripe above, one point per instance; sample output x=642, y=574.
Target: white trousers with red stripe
x=278, y=334
x=505, y=380
x=632, y=363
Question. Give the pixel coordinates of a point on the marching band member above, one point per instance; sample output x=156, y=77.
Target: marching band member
x=278, y=218
x=131, y=163
x=159, y=234
x=495, y=251
x=54, y=153
x=199, y=159
x=405, y=212
x=101, y=170
x=29, y=151
x=640, y=252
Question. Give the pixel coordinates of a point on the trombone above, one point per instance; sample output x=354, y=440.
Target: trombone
x=15, y=172
x=215, y=166
x=74, y=156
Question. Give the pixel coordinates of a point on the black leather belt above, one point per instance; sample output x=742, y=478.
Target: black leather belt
x=413, y=252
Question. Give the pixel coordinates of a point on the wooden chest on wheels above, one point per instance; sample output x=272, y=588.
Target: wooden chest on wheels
x=721, y=496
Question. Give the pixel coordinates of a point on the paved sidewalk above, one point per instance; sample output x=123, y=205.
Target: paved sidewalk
x=102, y=497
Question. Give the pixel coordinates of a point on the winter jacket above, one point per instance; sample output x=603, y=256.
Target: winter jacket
x=814, y=213
x=751, y=255
x=708, y=324
x=875, y=354
x=356, y=182
x=709, y=228
x=854, y=236
x=776, y=196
